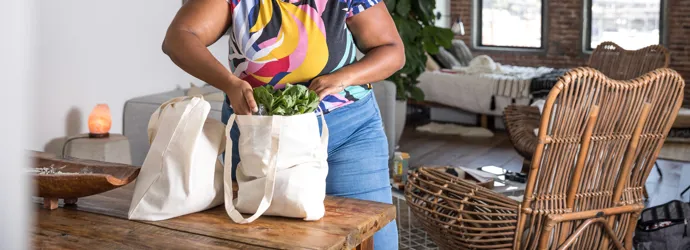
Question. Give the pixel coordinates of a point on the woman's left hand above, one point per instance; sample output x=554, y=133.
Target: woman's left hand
x=328, y=84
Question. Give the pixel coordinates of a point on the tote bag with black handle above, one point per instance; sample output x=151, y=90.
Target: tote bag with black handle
x=663, y=227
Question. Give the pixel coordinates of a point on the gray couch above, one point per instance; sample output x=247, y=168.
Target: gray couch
x=137, y=112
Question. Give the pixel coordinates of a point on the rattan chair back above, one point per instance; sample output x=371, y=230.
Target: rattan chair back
x=621, y=64
x=598, y=140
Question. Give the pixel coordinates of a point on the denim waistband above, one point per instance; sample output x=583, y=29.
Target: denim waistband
x=363, y=103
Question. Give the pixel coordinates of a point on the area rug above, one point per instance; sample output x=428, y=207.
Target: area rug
x=453, y=129
x=411, y=234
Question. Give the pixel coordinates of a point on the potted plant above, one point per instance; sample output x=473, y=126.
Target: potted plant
x=415, y=22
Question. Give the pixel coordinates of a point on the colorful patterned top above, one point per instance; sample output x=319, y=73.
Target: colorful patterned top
x=282, y=42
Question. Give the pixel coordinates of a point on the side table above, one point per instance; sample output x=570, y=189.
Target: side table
x=114, y=148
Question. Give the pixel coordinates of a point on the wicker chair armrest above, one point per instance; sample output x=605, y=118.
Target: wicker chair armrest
x=452, y=181
x=482, y=191
x=522, y=112
x=589, y=218
x=521, y=122
x=522, y=116
x=460, y=214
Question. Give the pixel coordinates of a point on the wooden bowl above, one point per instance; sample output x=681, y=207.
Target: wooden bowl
x=74, y=178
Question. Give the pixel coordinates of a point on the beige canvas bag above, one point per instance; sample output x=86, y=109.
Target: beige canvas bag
x=182, y=173
x=283, y=167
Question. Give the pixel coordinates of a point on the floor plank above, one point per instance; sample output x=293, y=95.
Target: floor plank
x=675, y=177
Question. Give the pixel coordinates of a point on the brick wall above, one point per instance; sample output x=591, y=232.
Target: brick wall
x=564, y=37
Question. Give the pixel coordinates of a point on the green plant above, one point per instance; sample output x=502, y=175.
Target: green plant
x=415, y=22
x=292, y=100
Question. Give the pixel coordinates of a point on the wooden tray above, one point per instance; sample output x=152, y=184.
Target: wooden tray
x=78, y=178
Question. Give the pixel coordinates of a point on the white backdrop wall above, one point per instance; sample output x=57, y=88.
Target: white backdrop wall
x=92, y=52
x=17, y=29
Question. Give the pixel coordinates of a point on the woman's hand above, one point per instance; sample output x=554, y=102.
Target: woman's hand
x=241, y=97
x=198, y=24
x=329, y=84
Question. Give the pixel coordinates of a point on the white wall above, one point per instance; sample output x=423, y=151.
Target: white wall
x=94, y=52
x=443, y=6
x=16, y=58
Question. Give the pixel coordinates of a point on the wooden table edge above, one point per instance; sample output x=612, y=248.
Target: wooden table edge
x=354, y=239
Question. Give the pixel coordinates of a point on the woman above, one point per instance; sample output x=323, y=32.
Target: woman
x=309, y=42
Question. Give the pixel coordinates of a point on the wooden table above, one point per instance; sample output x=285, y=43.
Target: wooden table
x=99, y=222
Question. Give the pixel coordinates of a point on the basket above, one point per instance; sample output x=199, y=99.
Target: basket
x=459, y=214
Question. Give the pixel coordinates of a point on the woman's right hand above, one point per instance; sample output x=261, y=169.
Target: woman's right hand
x=241, y=97
x=196, y=26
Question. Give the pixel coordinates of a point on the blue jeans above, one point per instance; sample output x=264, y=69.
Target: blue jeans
x=357, y=158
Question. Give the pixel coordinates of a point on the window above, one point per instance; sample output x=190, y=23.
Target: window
x=510, y=23
x=631, y=24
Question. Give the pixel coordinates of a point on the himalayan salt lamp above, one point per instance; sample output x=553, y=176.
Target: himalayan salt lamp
x=100, y=121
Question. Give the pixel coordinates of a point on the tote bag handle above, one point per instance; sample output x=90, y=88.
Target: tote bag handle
x=153, y=126
x=269, y=188
x=154, y=120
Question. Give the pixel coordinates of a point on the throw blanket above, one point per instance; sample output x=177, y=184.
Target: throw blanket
x=541, y=85
x=469, y=92
x=481, y=93
x=514, y=82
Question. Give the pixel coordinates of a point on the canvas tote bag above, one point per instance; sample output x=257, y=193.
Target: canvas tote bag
x=182, y=173
x=283, y=167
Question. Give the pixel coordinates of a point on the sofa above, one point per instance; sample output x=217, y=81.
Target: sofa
x=138, y=111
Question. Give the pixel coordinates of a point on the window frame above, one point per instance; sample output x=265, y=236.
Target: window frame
x=477, y=31
x=587, y=25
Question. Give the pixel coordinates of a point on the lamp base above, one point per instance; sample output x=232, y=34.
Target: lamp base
x=105, y=135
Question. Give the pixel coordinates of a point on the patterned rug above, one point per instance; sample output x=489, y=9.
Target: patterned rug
x=411, y=235
x=454, y=129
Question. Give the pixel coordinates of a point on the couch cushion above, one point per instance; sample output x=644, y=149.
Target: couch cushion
x=138, y=111
x=431, y=65
x=213, y=96
x=208, y=91
x=446, y=59
x=461, y=52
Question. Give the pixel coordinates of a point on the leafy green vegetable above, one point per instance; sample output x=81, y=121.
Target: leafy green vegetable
x=264, y=96
x=292, y=100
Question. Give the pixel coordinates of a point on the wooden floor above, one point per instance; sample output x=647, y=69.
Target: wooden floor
x=430, y=149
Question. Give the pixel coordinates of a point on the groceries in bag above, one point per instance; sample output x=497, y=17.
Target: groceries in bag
x=283, y=167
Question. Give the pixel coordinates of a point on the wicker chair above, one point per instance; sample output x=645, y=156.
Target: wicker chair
x=597, y=144
x=610, y=59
